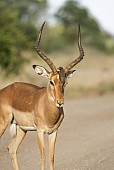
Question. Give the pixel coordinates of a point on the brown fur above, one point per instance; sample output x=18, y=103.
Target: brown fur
x=27, y=105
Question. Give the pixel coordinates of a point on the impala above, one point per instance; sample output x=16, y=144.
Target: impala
x=31, y=108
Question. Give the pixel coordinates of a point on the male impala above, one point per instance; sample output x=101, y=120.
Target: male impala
x=28, y=107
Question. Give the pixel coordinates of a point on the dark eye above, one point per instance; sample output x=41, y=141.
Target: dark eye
x=52, y=83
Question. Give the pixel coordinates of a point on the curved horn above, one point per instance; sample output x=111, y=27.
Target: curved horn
x=77, y=60
x=41, y=54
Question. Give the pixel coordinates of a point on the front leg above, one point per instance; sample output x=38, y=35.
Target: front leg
x=52, y=139
x=42, y=148
x=13, y=146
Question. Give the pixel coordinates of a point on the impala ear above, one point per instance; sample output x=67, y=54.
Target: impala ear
x=70, y=73
x=41, y=71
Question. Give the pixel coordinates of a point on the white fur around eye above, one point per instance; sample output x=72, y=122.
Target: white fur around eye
x=52, y=82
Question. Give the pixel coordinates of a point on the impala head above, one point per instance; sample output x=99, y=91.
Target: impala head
x=58, y=76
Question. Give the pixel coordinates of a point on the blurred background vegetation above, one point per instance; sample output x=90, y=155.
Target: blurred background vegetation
x=20, y=21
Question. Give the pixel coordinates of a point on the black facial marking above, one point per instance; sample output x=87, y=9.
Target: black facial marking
x=62, y=77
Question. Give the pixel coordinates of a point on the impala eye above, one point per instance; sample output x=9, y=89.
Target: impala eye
x=52, y=83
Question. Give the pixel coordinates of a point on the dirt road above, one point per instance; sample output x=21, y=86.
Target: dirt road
x=85, y=139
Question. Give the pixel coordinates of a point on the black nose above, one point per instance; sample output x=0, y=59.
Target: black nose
x=59, y=103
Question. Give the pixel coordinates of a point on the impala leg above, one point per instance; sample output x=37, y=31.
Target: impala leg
x=41, y=148
x=52, y=140
x=3, y=124
x=13, y=146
